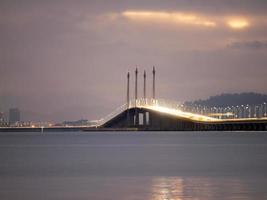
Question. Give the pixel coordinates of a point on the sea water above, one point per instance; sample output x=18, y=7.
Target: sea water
x=133, y=165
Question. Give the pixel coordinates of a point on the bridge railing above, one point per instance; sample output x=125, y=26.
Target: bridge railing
x=112, y=115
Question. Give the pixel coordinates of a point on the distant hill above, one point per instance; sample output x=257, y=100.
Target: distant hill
x=228, y=99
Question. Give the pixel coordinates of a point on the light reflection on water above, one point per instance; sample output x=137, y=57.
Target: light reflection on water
x=133, y=188
x=176, y=188
x=167, y=188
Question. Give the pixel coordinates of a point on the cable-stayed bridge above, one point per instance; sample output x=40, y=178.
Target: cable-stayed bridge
x=158, y=114
x=164, y=115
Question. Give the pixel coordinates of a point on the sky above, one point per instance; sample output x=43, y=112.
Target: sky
x=66, y=60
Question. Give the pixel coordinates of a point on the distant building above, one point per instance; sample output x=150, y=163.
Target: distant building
x=2, y=120
x=14, y=115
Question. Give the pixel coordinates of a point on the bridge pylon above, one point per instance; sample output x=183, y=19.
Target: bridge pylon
x=128, y=98
x=154, y=88
x=136, y=121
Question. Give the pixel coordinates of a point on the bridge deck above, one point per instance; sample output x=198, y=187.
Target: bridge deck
x=164, y=118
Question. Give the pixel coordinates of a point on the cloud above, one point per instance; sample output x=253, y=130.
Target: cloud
x=248, y=45
x=169, y=17
x=238, y=23
x=178, y=18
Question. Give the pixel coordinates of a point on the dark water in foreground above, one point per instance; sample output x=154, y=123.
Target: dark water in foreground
x=131, y=166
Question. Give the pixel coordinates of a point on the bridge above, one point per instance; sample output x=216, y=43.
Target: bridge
x=154, y=114
x=164, y=115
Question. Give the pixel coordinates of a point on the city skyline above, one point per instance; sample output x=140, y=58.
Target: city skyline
x=69, y=60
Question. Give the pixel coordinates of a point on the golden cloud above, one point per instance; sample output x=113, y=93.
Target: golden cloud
x=238, y=23
x=169, y=17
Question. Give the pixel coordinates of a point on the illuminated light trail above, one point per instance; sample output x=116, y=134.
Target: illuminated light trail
x=169, y=17
x=221, y=114
x=182, y=114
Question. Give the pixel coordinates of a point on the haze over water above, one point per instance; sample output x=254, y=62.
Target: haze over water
x=133, y=165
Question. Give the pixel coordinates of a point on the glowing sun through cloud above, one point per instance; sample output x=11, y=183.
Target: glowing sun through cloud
x=169, y=17
x=238, y=23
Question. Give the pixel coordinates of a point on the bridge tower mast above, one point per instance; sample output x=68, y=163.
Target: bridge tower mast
x=128, y=98
x=154, y=74
x=135, y=102
x=145, y=85
x=135, y=96
x=145, y=101
x=128, y=90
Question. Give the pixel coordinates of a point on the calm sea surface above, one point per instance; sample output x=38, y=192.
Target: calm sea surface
x=133, y=166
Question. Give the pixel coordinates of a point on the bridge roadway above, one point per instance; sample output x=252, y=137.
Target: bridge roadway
x=153, y=116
